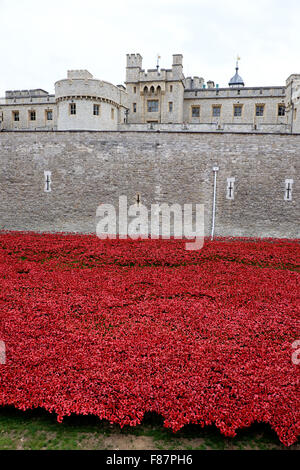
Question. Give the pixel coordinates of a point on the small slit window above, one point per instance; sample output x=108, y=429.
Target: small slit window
x=230, y=189
x=288, y=193
x=47, y=180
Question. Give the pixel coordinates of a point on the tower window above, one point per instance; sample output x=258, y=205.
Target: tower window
x=281, y=110
x=112, y=113
x=134, y=89
x=288, y=194
x=32, y=115
x=49, y=115
x=16, y=115
x=134, y=107
x=73, y=108
x=195, y=111
x=170, y=106
x=237, y=110
x=152, y=106
x=259, y=109
x=47, y=179
x=171, y=88
x=96, y=109
x=216, y=111
x=230, y=188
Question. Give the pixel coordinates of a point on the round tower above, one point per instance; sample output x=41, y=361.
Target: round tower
x=85, y=103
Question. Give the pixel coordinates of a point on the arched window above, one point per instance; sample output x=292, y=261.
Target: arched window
x=152, y=89
x=158, y=89
x=145, y=89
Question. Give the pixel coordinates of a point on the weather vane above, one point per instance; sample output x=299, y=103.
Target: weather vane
x=237, y=61
x=157, y=64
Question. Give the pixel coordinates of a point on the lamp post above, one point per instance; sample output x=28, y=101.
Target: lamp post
x=215, y=170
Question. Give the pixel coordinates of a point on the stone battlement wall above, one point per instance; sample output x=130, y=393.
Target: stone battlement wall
x=89, y=168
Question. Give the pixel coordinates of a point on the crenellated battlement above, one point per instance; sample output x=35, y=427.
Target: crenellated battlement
x=79, y=74
x=134, y=60
x=155, y=96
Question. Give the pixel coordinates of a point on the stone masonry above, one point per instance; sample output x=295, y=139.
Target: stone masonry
x=89, y=168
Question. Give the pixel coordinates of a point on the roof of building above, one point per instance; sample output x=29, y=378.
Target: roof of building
x=236, y=79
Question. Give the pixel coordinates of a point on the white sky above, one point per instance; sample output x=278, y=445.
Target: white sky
x=41, y=39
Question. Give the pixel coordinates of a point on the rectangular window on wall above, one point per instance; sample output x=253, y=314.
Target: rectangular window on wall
x=230, y=188
x=170, y=106
x=47, y=181
x=112, y=113
x=32, y=115
x=16, y=116
x=134, y=89
x=216, y=111
x=195, y=111
x=134, y=107
x=288, y=193
x=152, y=106
x=49, y=115
x=259, y=109
x=237, y=110
x=73, y=108
x=281, y=110
x=171, y=88
x=96, y=109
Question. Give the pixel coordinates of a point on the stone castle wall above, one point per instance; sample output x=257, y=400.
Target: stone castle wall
x=89, y=168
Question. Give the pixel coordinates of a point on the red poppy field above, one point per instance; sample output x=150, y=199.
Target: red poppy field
x=118, y=328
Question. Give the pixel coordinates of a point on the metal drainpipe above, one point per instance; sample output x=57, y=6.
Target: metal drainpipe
x=215, y=170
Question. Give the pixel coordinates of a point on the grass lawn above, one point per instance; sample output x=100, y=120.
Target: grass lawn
x=39, y=430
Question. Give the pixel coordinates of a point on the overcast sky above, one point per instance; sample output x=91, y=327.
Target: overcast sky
x=42, y=39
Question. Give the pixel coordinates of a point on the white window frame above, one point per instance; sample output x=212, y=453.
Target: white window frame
x=230, y=188
x=288, y=190
x=47, y=187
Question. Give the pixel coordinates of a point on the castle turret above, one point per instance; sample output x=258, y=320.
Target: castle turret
x=85, y=103
x=293, y=102
x=177, y=66
x=133, y=67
